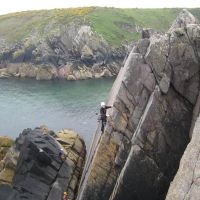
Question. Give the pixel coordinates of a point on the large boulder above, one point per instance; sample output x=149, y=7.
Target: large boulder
x=27, y=70
x=48, y=164
x=4, y=73
x=46, y=73
x=13, y=68
x=6, y=166
x=5, y=144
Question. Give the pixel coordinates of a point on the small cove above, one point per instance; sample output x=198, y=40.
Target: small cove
x=26, y=103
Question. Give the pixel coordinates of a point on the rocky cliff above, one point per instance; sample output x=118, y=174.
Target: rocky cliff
x=73, y=44
x=44, y=165
x=63, y=45
x=155, y=102
x=74, y=52
x=148, y=129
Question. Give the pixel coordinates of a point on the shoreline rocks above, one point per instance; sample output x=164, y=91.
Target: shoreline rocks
x=73, y=53
x=22, y=70
x=6, y=172
x=154, y=101
x=47, y=164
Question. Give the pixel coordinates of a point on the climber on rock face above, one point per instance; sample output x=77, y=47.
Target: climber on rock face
x=103, y=116
x=65, y=196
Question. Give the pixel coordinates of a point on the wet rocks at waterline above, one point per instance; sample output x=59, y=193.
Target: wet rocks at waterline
x=42, y=165
x=76, y=52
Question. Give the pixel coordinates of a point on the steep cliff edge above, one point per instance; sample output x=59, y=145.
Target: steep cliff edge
x=148, y=129
x=44, y=165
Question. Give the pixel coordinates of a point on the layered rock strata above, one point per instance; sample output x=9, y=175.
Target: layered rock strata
x=76, y=52
x=48, y=164
x=148, y=129
x=6, y=166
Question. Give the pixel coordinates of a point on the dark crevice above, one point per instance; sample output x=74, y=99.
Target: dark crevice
x=121, y=113
x=181, y=96
x=153, y=72
x=133, y=102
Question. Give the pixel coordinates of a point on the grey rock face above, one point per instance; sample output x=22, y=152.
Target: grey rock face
x=185, y=185
x=148, y=129
x=164, y=84
x=184, y=18
x=44, y=171
x=157, y=145
x=176, y=57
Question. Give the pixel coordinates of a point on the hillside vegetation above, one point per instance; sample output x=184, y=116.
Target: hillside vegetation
x=115, y=25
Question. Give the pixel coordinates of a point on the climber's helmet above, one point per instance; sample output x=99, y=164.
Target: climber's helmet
x=103, y=104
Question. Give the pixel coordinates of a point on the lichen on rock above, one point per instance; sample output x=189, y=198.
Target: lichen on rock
x=46, y=165
x=6, y=170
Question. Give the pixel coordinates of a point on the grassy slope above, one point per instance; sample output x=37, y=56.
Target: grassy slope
x=106, y=21
x=103, y=21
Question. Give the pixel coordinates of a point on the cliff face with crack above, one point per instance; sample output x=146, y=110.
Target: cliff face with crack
x=44, y=165
x=185, y=185
x=148, y=129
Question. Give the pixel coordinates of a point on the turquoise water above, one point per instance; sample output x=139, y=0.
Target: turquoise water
x=56, y=104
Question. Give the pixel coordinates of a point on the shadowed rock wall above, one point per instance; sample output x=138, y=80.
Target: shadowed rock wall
x=48, y=165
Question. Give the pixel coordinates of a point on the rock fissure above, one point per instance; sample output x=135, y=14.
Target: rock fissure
x=53, y=181
x=153, y=71
x=132, y=101
x=184, y=99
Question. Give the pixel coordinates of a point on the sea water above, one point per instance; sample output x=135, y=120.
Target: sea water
x=26, y=103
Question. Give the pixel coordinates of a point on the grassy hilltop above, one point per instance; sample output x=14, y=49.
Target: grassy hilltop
x=115, y=25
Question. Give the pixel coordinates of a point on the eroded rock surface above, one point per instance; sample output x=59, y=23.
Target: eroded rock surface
x=75, y=45
x=6, y=167
x=5, y=144
x=48, y=164
x=148, y=129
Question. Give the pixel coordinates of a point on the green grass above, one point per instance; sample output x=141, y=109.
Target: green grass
x=115, y=25
x=106, y=22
